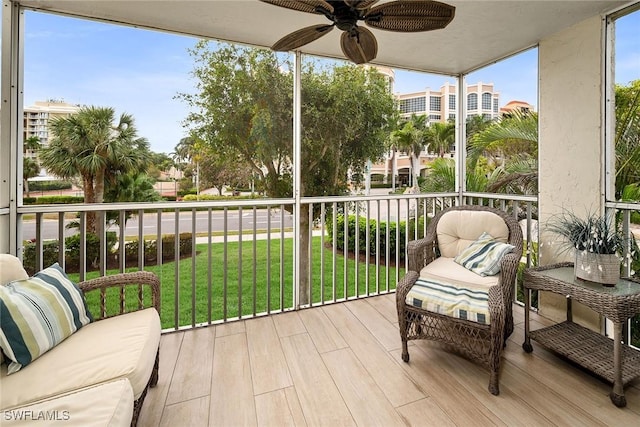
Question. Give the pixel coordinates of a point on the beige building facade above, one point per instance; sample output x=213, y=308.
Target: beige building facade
x=36, y=121
x=438, y=106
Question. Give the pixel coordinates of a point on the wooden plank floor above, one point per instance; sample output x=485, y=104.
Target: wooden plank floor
x=340, y=365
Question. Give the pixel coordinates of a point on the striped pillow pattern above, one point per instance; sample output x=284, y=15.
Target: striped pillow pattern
x=484, y=255
x=38, y=313
x=450, y=300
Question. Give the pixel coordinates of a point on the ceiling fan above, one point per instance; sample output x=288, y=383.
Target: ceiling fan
x=358, y=43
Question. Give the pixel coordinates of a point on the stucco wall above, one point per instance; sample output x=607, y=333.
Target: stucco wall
x=570, y=150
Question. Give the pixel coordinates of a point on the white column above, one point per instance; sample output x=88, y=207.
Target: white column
x=461, y=139
x=571, y=149
x=11, y=125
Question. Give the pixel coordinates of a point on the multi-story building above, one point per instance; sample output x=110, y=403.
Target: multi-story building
x=440, y=105
x=521, y=106
x=36, y=120
x=437, y=106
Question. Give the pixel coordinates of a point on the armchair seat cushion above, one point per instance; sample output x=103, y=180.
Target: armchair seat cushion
x=124, y=346
x=447, y=288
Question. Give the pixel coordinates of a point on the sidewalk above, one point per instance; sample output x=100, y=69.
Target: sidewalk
x=249, y=237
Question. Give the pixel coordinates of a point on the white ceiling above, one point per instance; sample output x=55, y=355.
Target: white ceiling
x=482, y=31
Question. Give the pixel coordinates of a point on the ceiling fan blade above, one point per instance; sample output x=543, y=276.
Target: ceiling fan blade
x=360, y=4
x=360, y=46
x=309, y=6
x=410, y=16
x=301, y=37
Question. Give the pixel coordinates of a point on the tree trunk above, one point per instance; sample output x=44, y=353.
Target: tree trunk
x=89, y=197
x=416, y=171
x=303, y=277
x=99, y=186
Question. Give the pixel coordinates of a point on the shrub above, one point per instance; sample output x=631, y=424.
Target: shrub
x=202, y=197
x=55, y=200
x=51, y=250
x=151, y=248
x=380, y=185
x=92, y=254
x=49, y=185
x=386, y=229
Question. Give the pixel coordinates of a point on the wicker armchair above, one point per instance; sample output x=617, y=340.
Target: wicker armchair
x=113, y=302
x=450, y=232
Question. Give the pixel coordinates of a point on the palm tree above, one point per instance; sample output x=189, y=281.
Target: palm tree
x=476, y=123
x=188, y=152
x=92, y=145
x=442, y=178
x=30, y=169
x=410, y=139
x=30, y=166
x=511, y=135
x=439, y=137
x=32, y=144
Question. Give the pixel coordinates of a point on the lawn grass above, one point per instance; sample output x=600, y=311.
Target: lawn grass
x=265, y=285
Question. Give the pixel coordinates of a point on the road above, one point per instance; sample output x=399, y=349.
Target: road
x=150, y=223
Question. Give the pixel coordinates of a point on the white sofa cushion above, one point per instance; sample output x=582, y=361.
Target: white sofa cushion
x=106, y=404
x=119, y=347
x=11, y=269
x=458, y=229
x=447, y=288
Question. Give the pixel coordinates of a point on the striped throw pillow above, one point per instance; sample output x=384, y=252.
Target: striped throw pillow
x=38, y=313
x=484, y=255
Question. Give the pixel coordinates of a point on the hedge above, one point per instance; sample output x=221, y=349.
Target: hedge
x=201, y=197
x=52, y=200
x=72, y=251
x=151, y=248
x=72, y=245
x=49, y=185
x=386, y=228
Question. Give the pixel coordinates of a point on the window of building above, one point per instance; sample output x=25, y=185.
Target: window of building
x=486, y=101
x=452, y=116
x=434, y=117
x=495, y=105
x=413, y=105
x=435, y=103
x=472, y=101
x=452, y=102
x=486, y=116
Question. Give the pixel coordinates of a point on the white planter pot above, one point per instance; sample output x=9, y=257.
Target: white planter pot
x=599, y=268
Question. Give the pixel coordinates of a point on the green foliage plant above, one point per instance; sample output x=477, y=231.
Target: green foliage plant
x=592, y=233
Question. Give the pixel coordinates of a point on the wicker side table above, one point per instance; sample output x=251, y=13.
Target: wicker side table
x=609, y=359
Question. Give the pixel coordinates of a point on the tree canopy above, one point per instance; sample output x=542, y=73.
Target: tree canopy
x=242, y=110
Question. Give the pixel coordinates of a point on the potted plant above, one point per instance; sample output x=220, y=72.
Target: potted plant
x=597, y=243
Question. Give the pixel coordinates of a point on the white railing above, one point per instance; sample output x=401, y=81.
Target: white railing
x=234, y=259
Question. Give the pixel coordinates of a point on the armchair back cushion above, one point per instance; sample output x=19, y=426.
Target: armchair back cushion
x=457, y=229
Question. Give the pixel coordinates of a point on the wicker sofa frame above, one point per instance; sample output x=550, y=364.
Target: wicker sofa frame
x=480, y=343
x=132, y=282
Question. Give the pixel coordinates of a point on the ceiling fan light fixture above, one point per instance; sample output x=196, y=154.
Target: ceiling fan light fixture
x=358, y=43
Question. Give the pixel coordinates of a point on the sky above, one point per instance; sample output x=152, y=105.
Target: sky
x=140, y=72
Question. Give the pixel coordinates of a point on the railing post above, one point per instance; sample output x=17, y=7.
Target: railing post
x=297, y=175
